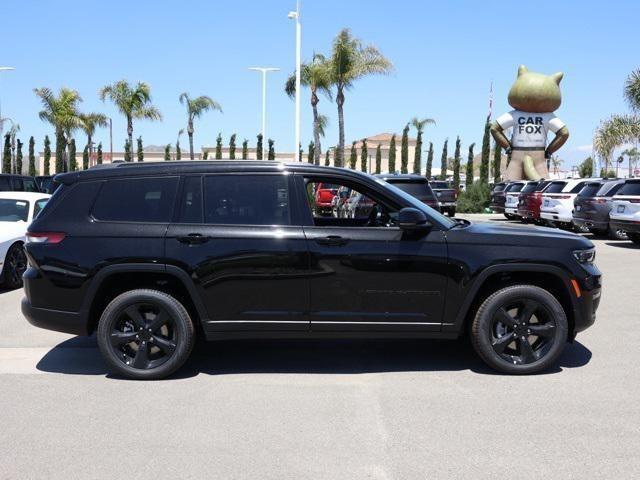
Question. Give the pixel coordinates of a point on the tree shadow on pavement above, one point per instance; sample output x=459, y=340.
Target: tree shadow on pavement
x=80, y=356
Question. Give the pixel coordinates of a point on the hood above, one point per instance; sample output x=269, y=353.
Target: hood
x=11, y=230
x=495, y=233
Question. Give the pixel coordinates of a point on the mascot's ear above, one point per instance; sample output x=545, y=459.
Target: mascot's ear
x=522, y=70
x=557, y=77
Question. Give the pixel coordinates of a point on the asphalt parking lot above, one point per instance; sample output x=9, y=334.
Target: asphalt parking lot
x=329, y=409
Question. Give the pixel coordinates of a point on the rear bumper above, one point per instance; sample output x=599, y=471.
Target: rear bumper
x=591, y=223
x=57, y=320
x=512, y=211
x=629, y=226
x=497, y=208
x=556, y=216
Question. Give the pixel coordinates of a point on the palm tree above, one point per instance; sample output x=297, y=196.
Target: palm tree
x=89, y=123
x=132, y=102
x=556, y=162
x=632, y=90
x=61, y=112
x=317, y=76
x=419, y=125
x=614, y=132
x=195, y=108
x=632, y=156
x=351, y=61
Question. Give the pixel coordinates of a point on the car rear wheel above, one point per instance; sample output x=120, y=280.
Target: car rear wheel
x=15, y=264
x=617, y=234
x=145, y=334
x=520, y=329
x=508, y=216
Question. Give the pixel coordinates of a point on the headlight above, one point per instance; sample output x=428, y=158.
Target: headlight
x=585, y=256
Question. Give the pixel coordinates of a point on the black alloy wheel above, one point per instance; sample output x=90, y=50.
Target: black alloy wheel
x=145, y=334
x=15, y=265
x=520, y=329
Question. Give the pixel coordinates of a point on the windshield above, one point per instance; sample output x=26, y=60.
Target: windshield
x=415, y=203
x=417, y=189
x=13, y=210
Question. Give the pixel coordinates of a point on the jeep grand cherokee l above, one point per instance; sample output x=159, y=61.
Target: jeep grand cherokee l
x=150, y=255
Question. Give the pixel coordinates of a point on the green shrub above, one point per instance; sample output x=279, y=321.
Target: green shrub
x=475, y=198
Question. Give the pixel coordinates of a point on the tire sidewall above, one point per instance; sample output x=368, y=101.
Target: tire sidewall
x=482, y=334
x=8, y=283
x=181, y=322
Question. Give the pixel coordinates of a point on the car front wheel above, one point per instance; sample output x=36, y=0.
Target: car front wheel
x=145, y=334
x=15, y=264
x=520, y=329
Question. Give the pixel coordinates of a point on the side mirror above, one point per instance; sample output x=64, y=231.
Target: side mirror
x=412, y=219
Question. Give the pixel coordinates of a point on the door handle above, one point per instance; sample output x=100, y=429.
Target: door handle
x=332, y=240
x=193, y=238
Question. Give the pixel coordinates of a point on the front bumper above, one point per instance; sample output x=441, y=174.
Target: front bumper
x=57, y=320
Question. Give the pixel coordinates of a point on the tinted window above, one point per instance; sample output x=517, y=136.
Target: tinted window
x=578, y=187
x=608, y=191
x=246, y=200
x=499, y=187
x=13, y=210
x=39, y=206
x=136, y=200
x=555, y=187
x=515, y=187
x=190, y=208
x=590, y=190
x=530, y=187
x=18, y=185
x=630, y=188
x=440, y=185
x=30, y=185
x=417, y=189
x=4, y=184
x=541, y=186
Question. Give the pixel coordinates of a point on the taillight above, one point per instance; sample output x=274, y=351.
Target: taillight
x=45, y=237
x=599, y=200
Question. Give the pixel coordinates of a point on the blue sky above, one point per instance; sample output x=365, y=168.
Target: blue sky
x=446, y=54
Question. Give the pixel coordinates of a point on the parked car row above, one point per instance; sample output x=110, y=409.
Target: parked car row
x=601, y=206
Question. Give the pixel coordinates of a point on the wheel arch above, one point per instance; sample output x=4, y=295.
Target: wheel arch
x=549, y=277
x=115, y=279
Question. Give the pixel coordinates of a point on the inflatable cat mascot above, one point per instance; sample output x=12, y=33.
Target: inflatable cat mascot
x=534, y=97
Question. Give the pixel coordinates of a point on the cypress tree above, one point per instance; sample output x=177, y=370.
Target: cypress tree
x=47, y=155
x=178, y=151
x=245, y=149
x=326, y=158
x=429, y=161
x=32, y=157
x=456, y=166
x=85, y=157
x=19, y=158
x=219, y=146
x=364, y=153
x=259, y=147
x=272, y=150
x=140, y=152
x=311, y=153
x=497, y=160
x=353, y=159
x=300, y=152
x=417, y=156
x=73, y=165
x=404, y=150
x=484, y=159
x=60, y=151
x=392, y=154
x=378, y=158
x=232, y=147
x=443, y=161
x=99, y=160
x=167, y=152
x=469, y=171
x=127, y=151
x=6, y=154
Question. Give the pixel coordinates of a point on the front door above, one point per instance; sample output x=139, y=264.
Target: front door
x=366, y=273
x=236, y=237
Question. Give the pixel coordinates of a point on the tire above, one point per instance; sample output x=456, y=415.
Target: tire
x=15, y=264
x=579, y=228
x=509, y=356
x=508, y=216
x=617, y=234
x=167, y=343
x=452, y=212
x=634, y=237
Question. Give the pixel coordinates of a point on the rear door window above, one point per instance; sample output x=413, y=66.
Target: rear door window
x=147, y=199
x=247, y=200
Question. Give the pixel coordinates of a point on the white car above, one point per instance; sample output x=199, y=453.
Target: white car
x=557, y=200
x=17, y=210
x=511, y=200
x=625, y=210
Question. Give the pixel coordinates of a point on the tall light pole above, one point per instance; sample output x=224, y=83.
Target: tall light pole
x=264, y=71
x=3, y=69
x=296, y=16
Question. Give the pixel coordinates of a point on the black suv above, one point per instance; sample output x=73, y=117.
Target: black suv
x=150, y=255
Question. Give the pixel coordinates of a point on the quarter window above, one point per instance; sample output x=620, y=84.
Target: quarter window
x=246, y=200
x=136, y=200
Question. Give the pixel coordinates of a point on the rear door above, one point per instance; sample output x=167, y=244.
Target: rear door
x=240, y=241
